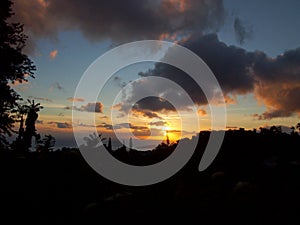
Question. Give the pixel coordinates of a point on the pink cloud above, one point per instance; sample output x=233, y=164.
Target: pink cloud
x=53, y=54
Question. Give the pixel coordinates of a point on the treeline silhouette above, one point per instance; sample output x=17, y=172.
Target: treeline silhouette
x=255, y=179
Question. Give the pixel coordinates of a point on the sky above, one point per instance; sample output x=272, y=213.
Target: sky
x=252, y=47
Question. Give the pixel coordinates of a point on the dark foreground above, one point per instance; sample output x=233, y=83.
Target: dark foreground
x=254, y=180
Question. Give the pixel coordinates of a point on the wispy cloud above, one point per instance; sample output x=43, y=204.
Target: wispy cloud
x=41, y=98
x=56, y=86
x=242, y=33
x=39, y=121
x=61, y=125
x=75, y=99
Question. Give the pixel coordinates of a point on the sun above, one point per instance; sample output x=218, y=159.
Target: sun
x=165, y=130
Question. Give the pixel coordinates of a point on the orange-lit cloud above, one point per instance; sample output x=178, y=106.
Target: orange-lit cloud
x=75, y=99
x=168, y=37
x=172, y=6
x=230, y=100
x=278, y=84
x=53, y=54
x=202, y=112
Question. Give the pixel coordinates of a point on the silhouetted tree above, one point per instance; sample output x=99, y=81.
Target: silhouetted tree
x=20, y=112
x=276, y=130
x=32, y=116
x=167, y=138
x=293, y=129
x=298, y=126
x=109, y=147
x=46, y=144
x=15, y=66
x=130, y=143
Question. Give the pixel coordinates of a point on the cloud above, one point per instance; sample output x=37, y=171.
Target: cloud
x=278, y=85
x=242, y=33
x=96, y=107
x=232, y=127
x=57, y=86
x=149, y=106
x=75, y=99
x=145, y=113
x=158, y=123
x=61, y=125
x=40, y=98
x=202, y=112
x=110, y=127
x=39, y=122
x=275, y=82
x=53, y=54
x=231, y=66
x=67, y=107
x=119, y=21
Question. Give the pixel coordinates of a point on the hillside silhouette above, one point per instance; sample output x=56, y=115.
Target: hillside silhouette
x=255, y=179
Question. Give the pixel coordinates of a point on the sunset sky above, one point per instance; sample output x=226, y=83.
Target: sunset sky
x=251, y=46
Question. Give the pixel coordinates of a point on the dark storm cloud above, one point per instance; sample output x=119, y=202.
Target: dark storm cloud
x=274, y=81
x=283, y=68
x=119, y=20
x=151, y=104
x=230, y=65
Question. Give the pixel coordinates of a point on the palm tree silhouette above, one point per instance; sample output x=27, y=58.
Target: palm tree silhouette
x=32, y=116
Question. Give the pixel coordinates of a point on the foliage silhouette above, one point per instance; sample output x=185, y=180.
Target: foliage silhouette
x=24, y=138
x=46, y=144
x=15, y=67
x=254, y=175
